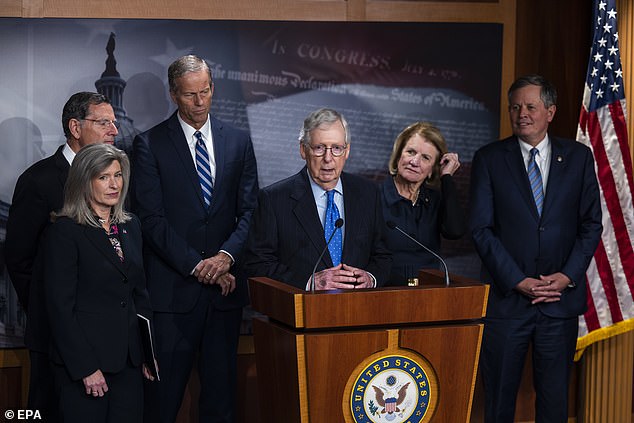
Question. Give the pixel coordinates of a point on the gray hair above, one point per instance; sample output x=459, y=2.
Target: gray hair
x=548, y=92
x=183, y=65
x=321, y=117
x=87, y=165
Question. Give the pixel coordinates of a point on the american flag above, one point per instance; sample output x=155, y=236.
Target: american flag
x=602, y=127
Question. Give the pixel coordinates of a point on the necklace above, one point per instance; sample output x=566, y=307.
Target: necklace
x=415, y=200
x=411, y=197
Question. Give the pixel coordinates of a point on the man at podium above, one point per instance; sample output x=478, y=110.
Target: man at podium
x=321, y=228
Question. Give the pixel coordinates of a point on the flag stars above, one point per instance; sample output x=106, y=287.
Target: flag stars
x=612, y=14
x=594, y=72
x=608, y=64
x=602, y=42
x=607, y=28
x=603, y=79
x=615, y=87
x=602, y=5
x=619, y=73
x=613, y=50
x=597, y=57
x=599, y=93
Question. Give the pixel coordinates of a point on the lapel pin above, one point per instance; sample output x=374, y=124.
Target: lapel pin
x=560, y=159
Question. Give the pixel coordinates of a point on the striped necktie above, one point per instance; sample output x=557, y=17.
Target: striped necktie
x=204, y=168
x=332, y=214
x=535, y=179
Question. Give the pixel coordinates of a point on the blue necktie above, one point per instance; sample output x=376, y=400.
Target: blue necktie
x=204, y=169
x=332, y=214
x=535, y=179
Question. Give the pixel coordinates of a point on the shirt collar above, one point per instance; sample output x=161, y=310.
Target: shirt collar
x=543, y=146
x=189, y=130
x=318, y=191
x=68, y=153
x=391, y=193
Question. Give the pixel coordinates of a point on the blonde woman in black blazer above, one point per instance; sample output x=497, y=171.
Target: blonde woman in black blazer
x=95, y=286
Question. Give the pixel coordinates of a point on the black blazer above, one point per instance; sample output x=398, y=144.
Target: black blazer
x=514, y=242
x=93, y=297
x=287, y=236
x=178, y=230
x=38, y=192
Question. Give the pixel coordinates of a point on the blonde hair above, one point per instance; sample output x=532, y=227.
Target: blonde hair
x=431, y=134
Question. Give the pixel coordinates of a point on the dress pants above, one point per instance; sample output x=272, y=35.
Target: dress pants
x=42, y=394
x=123, y=403
x=206, y=333
x=504, y=347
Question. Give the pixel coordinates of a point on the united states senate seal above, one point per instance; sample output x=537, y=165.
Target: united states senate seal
x=394, y=389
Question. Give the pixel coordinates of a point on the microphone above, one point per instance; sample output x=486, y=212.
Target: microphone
x=338, y=224
x=392, y=225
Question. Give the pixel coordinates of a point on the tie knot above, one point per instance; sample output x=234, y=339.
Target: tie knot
x=199, y=136
x=331, y=194
x=534, y=152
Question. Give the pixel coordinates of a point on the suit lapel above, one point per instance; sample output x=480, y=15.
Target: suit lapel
x=517, y=170
x=220, y=145
x=556, y=172
x=99, y=239
x=62, y=166
x=130, y=243
x=305, y=211
x=177, y=137
x=352, y=208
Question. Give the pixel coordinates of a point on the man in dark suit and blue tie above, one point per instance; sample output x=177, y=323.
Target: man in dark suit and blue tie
x=536, y=222
x=87, y=118
x=297, y=216
x=194, y=187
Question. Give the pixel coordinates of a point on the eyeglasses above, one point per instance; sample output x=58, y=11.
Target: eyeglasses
x=105, y=123
x=320, y=150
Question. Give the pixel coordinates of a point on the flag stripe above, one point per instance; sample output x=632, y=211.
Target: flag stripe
x=607, y=280
x=617, y=111
x=610, y=193
x=602, y=127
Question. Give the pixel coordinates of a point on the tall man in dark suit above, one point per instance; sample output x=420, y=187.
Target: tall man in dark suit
x=536, y=222
x=87, y=118
x=195, y=187
x=290, y=226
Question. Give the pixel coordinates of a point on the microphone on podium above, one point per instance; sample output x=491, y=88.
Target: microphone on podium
x=338, y=225
x=393, y=225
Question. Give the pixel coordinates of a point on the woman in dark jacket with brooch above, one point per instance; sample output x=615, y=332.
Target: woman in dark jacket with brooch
x=95, y=286
x=420, y=198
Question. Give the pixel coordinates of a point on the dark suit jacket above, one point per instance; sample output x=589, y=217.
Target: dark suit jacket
x=514, y=242
x=177, y=228
x=287, y=237
x=38, y=192
x=93, y=297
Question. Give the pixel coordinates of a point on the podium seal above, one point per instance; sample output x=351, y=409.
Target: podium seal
x=393, y=388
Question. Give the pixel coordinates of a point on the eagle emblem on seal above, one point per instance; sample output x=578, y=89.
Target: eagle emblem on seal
x=389, y=399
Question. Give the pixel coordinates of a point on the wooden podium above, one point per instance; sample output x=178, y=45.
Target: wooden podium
x=396, y=354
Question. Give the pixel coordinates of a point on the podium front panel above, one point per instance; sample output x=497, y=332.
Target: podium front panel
x=309, y=377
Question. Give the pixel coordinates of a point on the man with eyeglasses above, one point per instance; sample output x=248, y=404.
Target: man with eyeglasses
x=296, y=218
x=87, y=118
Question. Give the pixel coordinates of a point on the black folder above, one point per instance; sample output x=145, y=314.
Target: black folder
x=148, y=345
